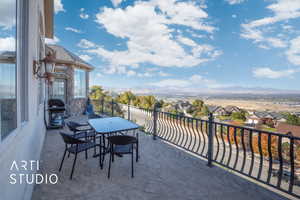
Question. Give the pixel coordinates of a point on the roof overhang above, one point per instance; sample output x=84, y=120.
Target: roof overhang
x=74, y=64
x=49, y=18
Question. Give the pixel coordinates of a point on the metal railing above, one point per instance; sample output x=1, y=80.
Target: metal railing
x=108, y=107
x=267, y=157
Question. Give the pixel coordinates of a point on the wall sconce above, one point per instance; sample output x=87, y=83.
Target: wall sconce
x=49, y=64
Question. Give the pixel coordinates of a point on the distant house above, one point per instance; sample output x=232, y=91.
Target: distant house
x=217, y=110
x=285, y=128
x=71, y=83
x=232, y=109
x=265, y=118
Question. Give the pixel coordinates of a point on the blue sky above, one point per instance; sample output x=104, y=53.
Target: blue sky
x=187, y=45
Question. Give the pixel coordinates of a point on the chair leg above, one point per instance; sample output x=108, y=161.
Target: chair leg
x=100, y=152
x=62, y=160
x=71, y=176
x=137, y=151
x=86, y=154
x=109, y=166
x=132, y=161
x=94, y=138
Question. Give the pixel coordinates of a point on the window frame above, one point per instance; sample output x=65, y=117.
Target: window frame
x=85, y=83
x=21, y=66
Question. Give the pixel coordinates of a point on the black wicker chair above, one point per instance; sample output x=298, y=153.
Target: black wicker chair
x=82, y=130
x=74, y=146
x=119, y=145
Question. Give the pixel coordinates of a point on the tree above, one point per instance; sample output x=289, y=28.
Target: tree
x=205, y=110
x=238, y=116
x=126, y=97
x=292, y=119
x=97, y=93
x=198, y=103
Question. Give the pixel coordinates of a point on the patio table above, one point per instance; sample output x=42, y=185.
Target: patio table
x=110, y=125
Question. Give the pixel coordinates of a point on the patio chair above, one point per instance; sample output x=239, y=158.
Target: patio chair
x=78, y=132
x=74, y=146
x=120, y=145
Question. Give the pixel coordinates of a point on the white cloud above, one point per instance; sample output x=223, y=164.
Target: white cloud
x=7, y=44
x=55, y=40
x=58, y=6
x=86, y=58
x=86, y=44
x=171, y=83
x=293, y=53
x=131, y=73
x=266, y=72
x=232, y=2
x=149, y=38
x=187, y=41
x=83, y=15
x=116, y=2
x=8, y=14
x=195, y=81
x=257, y=30
x=160, y=73
x=73, y=30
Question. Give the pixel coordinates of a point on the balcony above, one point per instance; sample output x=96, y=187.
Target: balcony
x=164, y=171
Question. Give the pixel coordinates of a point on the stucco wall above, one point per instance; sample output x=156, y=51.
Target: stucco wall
x=25, y=142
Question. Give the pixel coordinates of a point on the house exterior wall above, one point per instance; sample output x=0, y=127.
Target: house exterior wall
x=25, y=142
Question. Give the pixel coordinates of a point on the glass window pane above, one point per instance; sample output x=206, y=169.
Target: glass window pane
x=79, y=83
x=8, y=103
x=58, y=89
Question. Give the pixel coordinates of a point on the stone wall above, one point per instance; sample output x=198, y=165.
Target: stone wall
x=75, y=106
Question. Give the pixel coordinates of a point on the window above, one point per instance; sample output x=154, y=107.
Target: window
x=58, y=89
x=8, y=97
x=79, y=83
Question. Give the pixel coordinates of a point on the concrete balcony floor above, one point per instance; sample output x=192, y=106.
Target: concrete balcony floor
x=163, y=172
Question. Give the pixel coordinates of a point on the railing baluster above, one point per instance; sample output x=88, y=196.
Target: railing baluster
x=204, y=139
x=280, y=161
x=270, y=158
x=217, y=139
x=292, y=172
x=171, y=134
x=199, y=141
x=230, y=147
x=260, y=156
x=194, y=133
x=181, y=131
x=192, y=137
x=252, y=152
x=210, y=151
x=185, y=132
x=223, y=142
x=244, y=149
x=237, y=148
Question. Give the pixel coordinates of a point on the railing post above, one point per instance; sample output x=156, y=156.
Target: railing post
x=112, y=107
x=154, y=122
x=102, y=105
x=210, y=140
x=128, y=110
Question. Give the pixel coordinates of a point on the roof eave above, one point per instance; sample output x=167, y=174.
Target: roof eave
x=49, y=18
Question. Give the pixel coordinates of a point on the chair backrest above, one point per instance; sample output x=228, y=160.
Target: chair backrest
x=122, y=139
x=68, y=139
x=56, y=102
x=73, y=125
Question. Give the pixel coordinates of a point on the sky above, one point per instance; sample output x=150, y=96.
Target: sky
x=184, y=45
